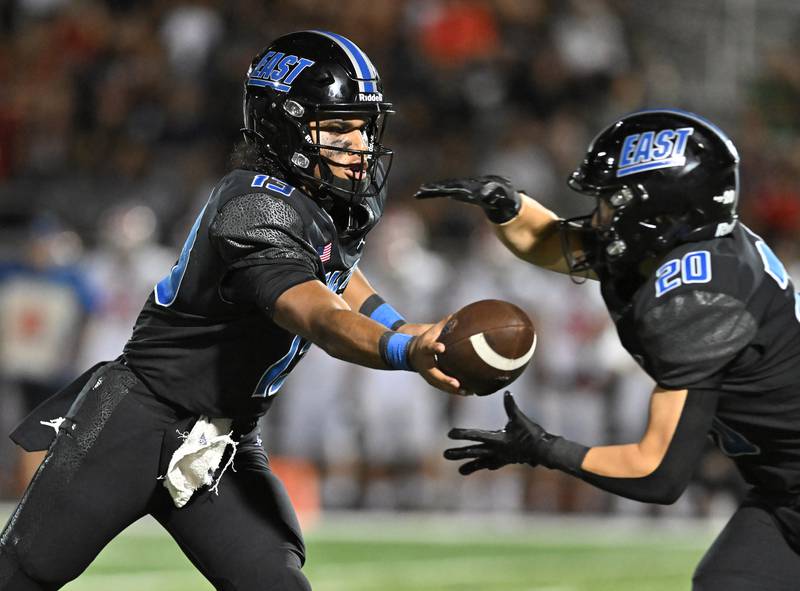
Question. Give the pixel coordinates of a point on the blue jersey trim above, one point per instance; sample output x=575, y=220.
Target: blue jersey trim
x=166, y=290
x=274, y=376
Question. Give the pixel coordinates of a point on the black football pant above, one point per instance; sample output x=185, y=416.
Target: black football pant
x=750, y=554
x=101, y=474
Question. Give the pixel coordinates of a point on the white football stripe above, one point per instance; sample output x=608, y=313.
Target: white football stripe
x=493, y=359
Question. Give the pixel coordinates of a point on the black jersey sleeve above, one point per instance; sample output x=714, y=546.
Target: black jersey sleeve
x=695, y=315
x=261, y=239
x=692, y=335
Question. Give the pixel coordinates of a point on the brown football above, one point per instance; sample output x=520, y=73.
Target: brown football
x=488, y=345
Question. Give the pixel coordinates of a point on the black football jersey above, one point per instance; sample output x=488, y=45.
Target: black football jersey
x=723, y=315
x=205, y=338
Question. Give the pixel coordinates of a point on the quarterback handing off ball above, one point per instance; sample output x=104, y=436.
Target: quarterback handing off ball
x=488, y=345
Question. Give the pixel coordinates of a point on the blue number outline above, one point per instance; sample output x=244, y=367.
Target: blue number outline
x=273, y=378
x=687, y=272
x=666, y=277
x=677, y=272
x=166, y=290
x=277, y=185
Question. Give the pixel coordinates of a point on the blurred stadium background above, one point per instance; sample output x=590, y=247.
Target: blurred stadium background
x=118, y=116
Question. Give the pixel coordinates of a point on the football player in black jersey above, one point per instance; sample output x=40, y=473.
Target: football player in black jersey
x=269, y=267
x=701, y=303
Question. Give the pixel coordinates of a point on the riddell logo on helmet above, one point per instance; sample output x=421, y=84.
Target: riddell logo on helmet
x=653, y=150
x=277, y=70
x=374, y=97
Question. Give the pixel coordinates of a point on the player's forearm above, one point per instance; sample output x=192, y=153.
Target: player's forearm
x=625, y=471
x=636, y=460
x=663, y=486
x=349, y=336
x=533, y=236
x=361, y=296
x=621, y=461
x=658, y=469
x=315, y=313
x=318, y=315
x=358, y=290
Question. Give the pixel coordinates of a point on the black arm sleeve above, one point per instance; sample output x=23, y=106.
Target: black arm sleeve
x=260, y=237
x=670, y=479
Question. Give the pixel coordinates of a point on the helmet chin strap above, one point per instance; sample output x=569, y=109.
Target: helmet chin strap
x=343, y=200
x=354, y=188
x=349, y=213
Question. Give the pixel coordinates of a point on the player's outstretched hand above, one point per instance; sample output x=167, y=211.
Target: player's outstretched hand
x=422, y=356
x=517, y=443
x=495, y=194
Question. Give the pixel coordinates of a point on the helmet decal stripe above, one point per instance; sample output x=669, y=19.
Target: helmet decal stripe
x=362, y=64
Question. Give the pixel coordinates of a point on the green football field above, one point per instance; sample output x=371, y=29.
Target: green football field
x=425, y=553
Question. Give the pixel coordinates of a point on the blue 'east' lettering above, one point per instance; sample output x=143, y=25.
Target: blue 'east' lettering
x=644, y=149
x=628, y=147
x=283, y=67
x=302, y=64
x=650, y=150
x=663, y=143
x=266, y=64
x=278, y=70
x=682, y=137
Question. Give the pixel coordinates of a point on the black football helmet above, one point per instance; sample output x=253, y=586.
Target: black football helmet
x=666, y=177
x=313, y=76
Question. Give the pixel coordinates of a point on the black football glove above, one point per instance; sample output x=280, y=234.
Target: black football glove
x=519, y=442
x=522, y=441
x=495, y=194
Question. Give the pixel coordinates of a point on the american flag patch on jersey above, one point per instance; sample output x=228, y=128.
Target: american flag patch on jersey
x=325, y=252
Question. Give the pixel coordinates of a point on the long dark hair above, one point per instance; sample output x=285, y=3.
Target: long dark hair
x=250, y=156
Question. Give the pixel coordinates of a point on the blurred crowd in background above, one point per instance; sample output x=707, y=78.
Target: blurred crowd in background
x=118, y=116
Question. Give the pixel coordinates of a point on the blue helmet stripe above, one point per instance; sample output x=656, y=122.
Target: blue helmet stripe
x=694, y=117
x=363, y=66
